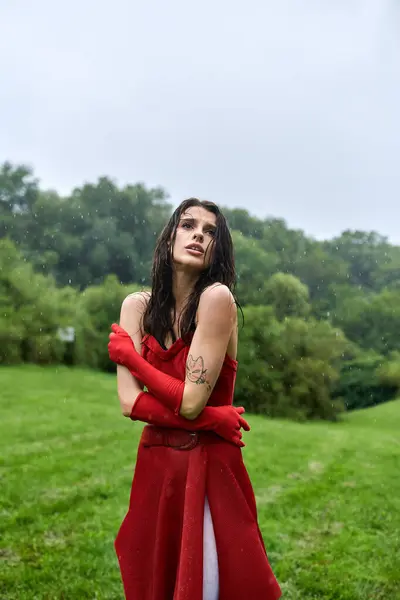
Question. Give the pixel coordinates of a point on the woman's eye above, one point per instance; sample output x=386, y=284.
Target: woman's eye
x=211, y=232
x=186, y=225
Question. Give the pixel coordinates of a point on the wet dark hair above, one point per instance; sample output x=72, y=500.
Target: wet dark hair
x=159, y=316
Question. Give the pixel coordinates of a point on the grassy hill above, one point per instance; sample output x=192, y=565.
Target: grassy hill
x=328, y=494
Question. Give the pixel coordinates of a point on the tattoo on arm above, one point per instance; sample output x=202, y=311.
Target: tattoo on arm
x=195, y=371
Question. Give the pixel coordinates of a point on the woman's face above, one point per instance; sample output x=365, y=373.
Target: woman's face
x=194, y=239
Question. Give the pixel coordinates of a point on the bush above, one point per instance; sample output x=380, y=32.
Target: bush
x=288, y=368
x=362, y=382
x=98, y=307
x=388, y=372
x=32, y=310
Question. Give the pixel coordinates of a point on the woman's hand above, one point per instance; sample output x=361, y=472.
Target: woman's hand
x=120, y=346
x=229, y=423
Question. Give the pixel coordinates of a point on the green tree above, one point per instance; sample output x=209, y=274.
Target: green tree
x=253, y=267
x=287, y=295
x=240, y=220
x=372, y=321
x=288, y=368
x=99, y=306
x=361, y=382
x=366, y=253
x=32, y=310
x=18, y=193
x=100, y=229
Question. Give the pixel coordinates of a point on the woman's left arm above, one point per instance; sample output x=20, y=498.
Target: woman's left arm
x=216, y=319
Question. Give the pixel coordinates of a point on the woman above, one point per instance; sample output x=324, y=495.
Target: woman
x=191, y=531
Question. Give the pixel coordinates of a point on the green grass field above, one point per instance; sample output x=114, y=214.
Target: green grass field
x=328, y=494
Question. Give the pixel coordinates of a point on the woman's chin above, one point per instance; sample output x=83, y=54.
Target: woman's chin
x=190, y=263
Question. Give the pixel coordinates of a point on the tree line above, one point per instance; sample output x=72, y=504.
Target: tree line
x=320, y=317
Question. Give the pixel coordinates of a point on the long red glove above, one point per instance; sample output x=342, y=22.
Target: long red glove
x=165, y=387
x=225, y=421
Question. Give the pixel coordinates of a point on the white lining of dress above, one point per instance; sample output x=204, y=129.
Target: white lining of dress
x=210, y=557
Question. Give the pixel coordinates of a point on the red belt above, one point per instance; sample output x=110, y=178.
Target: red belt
x=176, y=438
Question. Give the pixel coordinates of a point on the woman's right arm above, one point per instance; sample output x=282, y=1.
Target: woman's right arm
x=131, y=319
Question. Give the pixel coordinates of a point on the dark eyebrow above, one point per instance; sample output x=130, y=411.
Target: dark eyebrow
x=192, y=220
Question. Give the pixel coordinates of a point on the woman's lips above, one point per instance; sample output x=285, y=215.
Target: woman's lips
x=195, y=252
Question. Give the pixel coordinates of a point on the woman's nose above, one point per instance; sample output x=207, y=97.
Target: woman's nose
x=198, y=235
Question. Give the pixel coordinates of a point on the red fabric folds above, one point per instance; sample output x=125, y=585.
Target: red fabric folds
x=160, y=542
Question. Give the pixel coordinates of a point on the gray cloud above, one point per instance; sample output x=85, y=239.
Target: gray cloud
x=286, y=109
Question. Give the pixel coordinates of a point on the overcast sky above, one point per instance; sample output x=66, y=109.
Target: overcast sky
x=289, y=109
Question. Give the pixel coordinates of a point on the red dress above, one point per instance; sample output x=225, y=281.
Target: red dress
x=160, y=542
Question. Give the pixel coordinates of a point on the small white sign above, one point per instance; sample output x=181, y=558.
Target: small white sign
x=66, y=334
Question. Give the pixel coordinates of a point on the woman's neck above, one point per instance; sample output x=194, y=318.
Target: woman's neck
x=182, y=286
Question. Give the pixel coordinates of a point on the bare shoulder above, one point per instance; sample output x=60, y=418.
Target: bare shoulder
x=132, y=311
x=217, y=303
x=217, y=293
x=137, y=301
